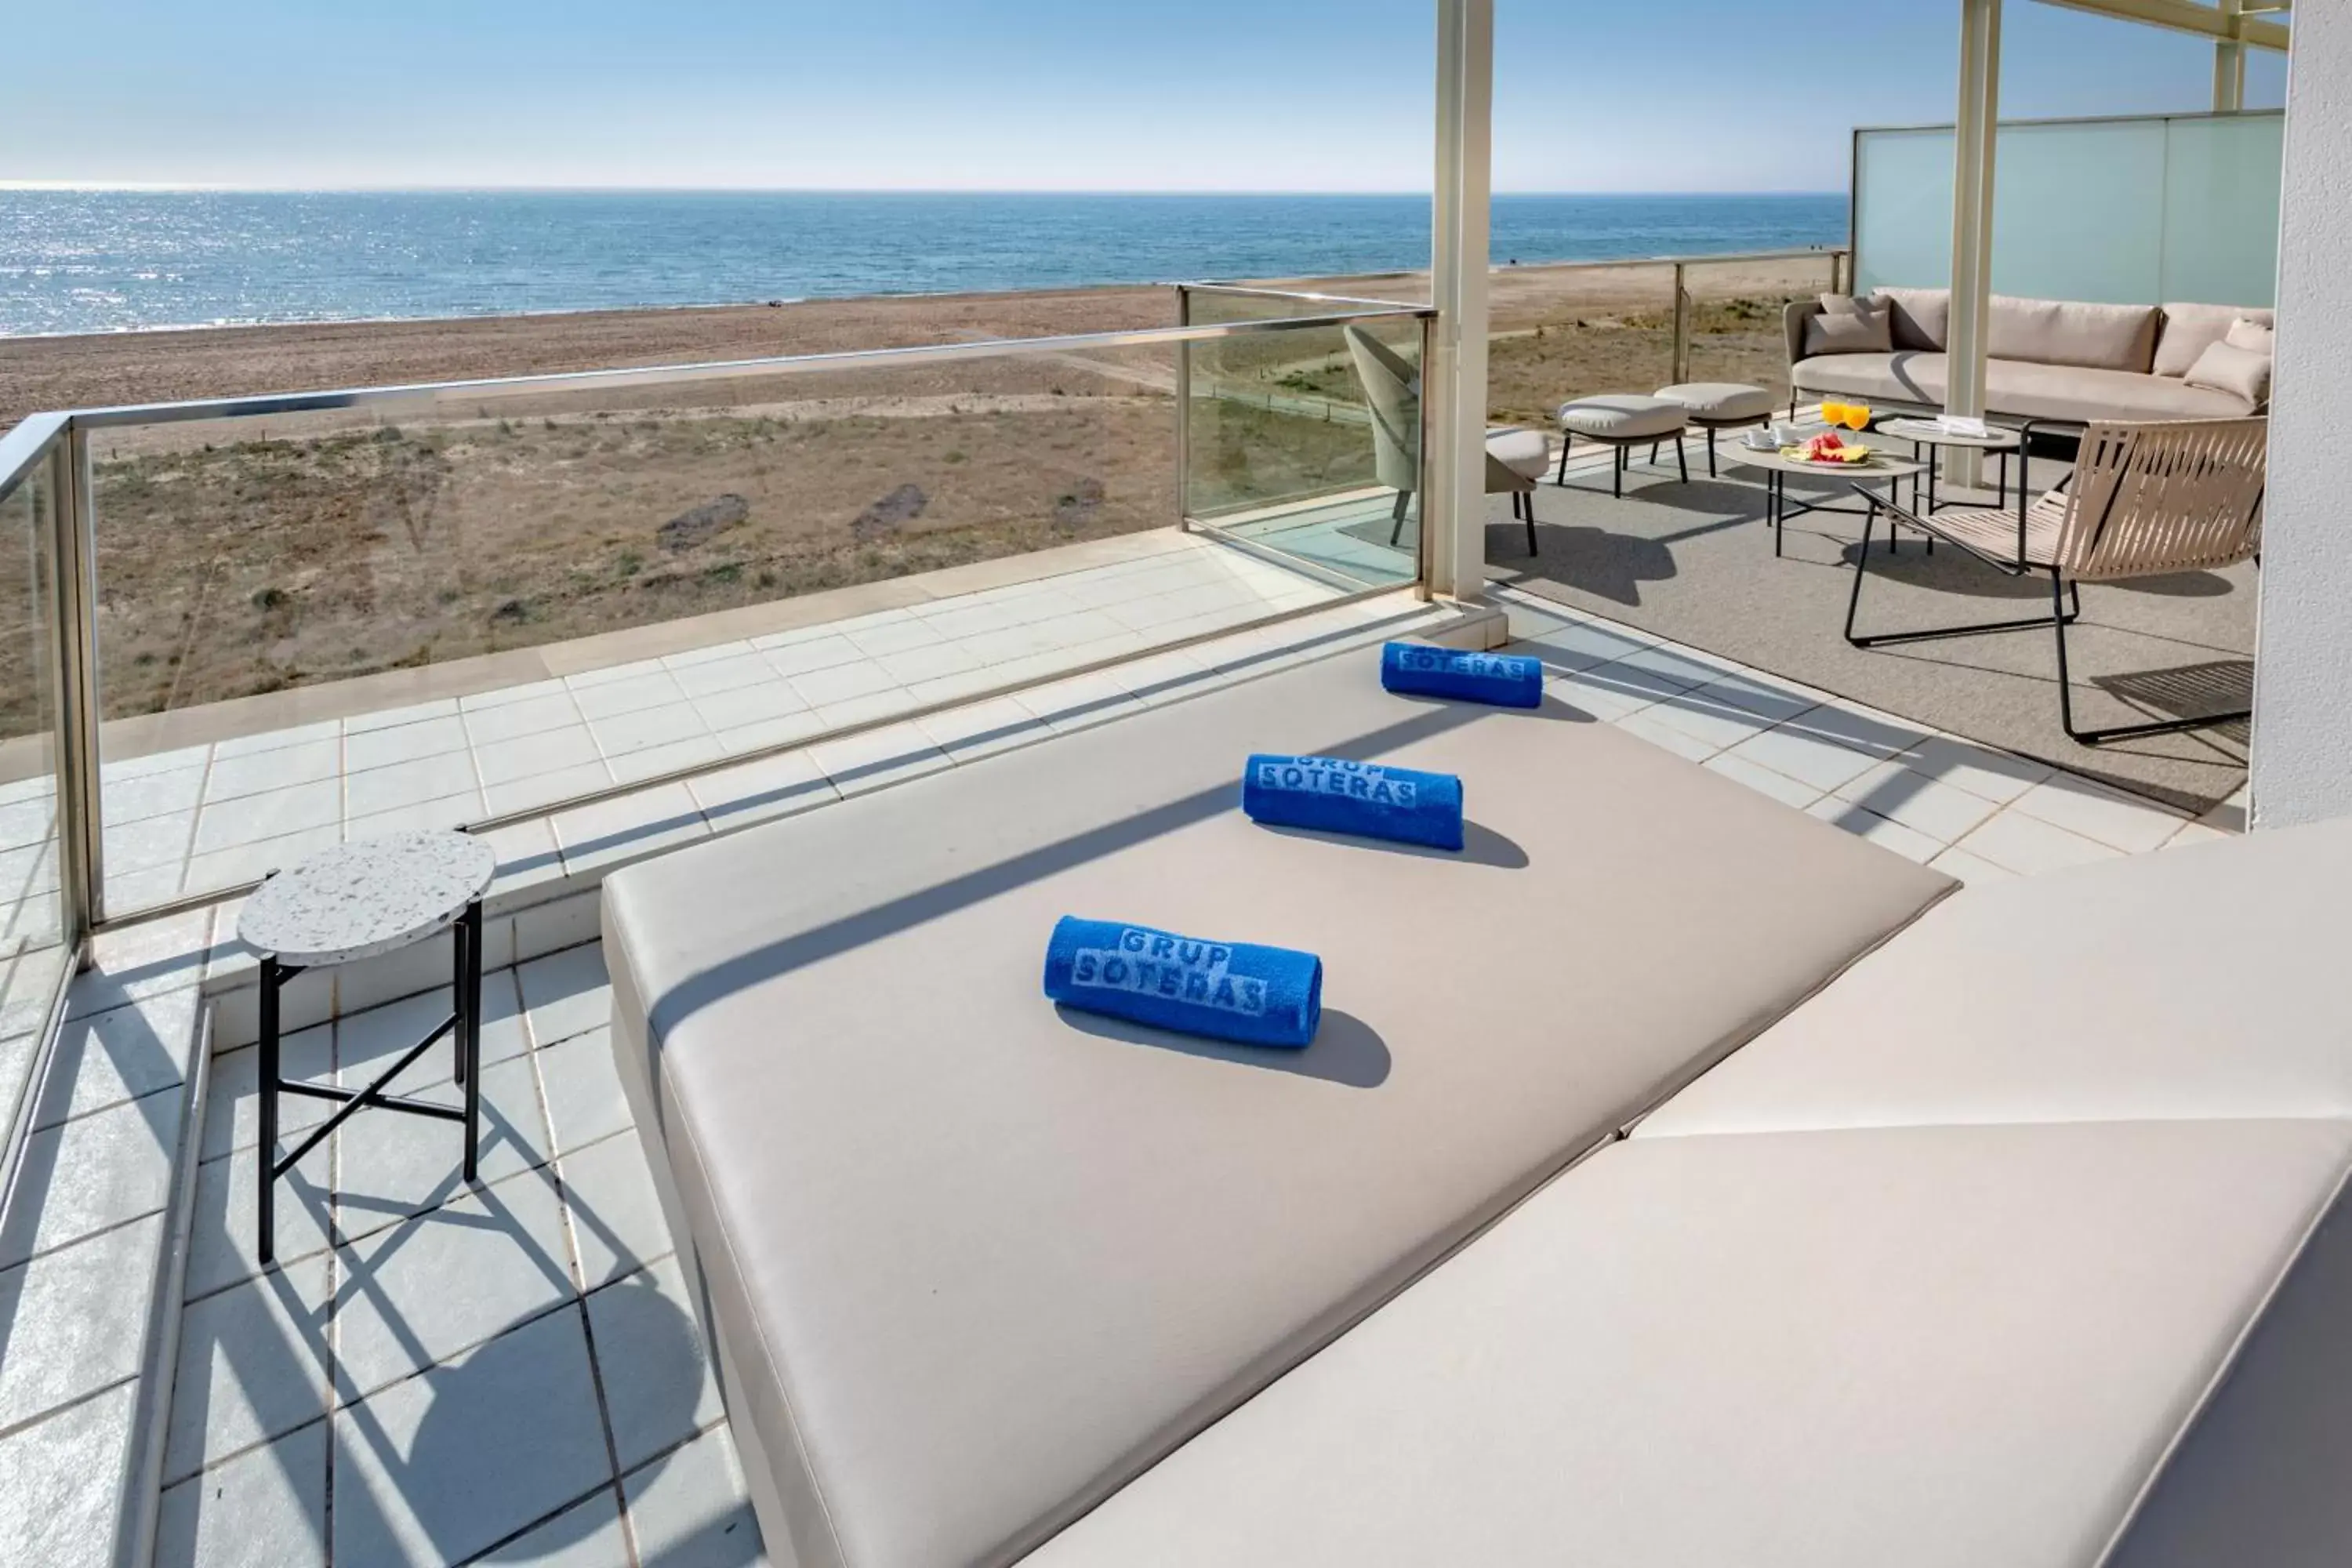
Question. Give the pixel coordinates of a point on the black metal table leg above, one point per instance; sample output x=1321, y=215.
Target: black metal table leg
x=470, y=1029
x=266, y=1157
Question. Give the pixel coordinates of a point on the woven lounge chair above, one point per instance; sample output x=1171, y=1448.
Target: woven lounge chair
x=2144, y=500
x=1516, y=458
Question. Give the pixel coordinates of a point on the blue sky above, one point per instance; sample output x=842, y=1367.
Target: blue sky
x=1650, y=95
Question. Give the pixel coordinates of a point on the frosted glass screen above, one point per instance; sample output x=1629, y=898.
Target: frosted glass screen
x=2125, y=211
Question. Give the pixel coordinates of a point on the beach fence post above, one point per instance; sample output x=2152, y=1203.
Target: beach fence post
x=82, y=864
x=1185, y=412
x=1682, y=329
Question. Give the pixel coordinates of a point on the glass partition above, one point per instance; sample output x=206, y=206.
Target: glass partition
x=1309, y=443
x=2127, y=211
x=315, y=621
x=1559, y=333
x=1735, y=309
x=32, y=951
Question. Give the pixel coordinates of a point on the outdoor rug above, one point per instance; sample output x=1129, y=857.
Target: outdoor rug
x=1694, y=562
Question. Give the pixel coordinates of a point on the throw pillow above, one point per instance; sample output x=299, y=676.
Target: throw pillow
x=1849, y=326
x=2252, y=336
x=2224, y=367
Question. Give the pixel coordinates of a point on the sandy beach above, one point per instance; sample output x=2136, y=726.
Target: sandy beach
x=236, y=558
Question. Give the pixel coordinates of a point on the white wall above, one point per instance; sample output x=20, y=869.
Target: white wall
x=2303, y=675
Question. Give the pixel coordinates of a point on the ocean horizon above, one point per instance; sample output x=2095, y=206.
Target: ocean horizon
x=109, y=260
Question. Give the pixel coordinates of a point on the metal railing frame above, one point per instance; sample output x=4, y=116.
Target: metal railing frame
x=60, y=443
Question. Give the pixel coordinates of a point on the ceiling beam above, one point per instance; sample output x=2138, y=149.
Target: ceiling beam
x=2188, y=16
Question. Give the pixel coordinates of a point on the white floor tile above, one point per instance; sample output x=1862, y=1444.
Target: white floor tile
x=658, y=1378
x=261, y=772
x=547, y=752
x=405, y=742
x=645, y=727
x=1764, y=780
x=582, y=1089
x=252, y=1365
x=655, y=760
x=756, y=790
x=870, y=761
x=399, y=784
x=978, y=729
x=1681, y=742
x=1916, y=801
x=426, y=1289
x=2108, y=815
x=895, y=635
x=268, y=1506
x=691, y=1510
x=840, y=682
x=1997, y=775
x=2029, y=846
x=566, y=994
x=547, y=789
x=771, y=698
x=1907, y=842
x=615, y=1214
x=552, y=709
x=611, y=698
x=822, y=651
x=628, y=828
x=439, y=1467
x=1972, y=869
x=246, y=819
x=1805, y=756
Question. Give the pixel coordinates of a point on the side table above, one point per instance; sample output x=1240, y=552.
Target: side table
x=360, y=901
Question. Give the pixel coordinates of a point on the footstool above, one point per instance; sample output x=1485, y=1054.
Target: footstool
x=1622, y=420
x=360, y=901
x=1715, y=405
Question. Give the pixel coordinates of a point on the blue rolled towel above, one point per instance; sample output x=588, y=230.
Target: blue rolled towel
x=1228, y=991
x=1336, y=795
x=1505, y=680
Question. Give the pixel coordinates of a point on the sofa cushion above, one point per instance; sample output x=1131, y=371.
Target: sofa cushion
x=1921, y=317
x=2226, y=367
x=2019, y=391
x=2189, y=328
x=1938, y=1347
x=1850, y=326
x=2072, y=332
x=1721, y=401
x=2197, y=982
x=973, y=1265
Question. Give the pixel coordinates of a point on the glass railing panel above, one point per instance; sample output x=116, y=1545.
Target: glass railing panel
x=1307, y=443
x=32, y=953
x=1735, y=312
x=316, y=626
x=1561, y=332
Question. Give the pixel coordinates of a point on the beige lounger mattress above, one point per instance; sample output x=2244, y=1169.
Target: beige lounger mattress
x=974, y=1263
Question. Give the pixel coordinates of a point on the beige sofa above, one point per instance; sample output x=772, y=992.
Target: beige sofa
x=1677, y=1179
x=2053, y=362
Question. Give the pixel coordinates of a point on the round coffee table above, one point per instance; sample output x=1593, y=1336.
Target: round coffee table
x=1929, y=435
x=1778, y=508
x=360, y=901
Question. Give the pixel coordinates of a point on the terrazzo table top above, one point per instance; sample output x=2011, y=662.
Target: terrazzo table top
x=373, y=897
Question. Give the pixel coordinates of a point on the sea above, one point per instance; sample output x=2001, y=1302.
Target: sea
x=118, y=260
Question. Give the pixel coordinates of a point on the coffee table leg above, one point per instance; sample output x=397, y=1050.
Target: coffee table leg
x=266, y=1155
x=469, y=1027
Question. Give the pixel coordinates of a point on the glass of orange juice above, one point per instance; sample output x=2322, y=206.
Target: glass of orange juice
x=1832, y=413
x=1855, y=415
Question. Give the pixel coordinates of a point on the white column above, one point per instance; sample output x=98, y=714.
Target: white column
x=2230, y=62
x=1453, y=384
x=1974, y=127
x=2303, y=672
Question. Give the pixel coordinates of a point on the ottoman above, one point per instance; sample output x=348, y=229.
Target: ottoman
x=1715, y=405
x=1622, y=420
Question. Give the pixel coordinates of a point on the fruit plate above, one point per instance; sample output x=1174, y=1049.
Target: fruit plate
x=1860, y=459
